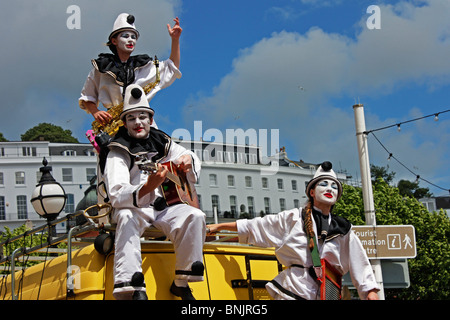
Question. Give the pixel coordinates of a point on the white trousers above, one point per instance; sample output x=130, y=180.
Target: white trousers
x=184, y=225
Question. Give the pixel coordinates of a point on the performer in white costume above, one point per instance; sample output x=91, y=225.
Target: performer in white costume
x=135, y=197
x=112, y=73
x=288, y=232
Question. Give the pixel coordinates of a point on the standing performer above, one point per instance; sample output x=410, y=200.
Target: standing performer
x=137, y=201
x=292, y=233
x=112, y=73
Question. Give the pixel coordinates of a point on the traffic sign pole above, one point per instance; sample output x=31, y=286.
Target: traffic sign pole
x=369, y=207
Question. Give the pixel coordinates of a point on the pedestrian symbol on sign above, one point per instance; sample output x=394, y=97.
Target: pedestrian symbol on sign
x=407, y=241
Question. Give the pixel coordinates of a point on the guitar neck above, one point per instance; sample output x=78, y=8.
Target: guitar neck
x=170, y=175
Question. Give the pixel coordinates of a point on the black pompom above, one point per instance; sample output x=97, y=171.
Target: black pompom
x=197, y=268
x=136, y=93
x=137, y=280
x=327, y=166
x=130, y=19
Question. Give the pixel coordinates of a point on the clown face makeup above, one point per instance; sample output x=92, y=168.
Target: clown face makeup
x=125, y=41
x=138, y=124
x=325, y=192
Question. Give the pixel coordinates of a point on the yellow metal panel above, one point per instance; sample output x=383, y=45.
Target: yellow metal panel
x=89, y=277
x=93, y=274
x=221, y=269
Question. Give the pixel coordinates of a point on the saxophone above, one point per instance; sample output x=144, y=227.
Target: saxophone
x=113, y=126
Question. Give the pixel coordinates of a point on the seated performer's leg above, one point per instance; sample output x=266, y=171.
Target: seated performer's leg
x=128, y=277
x=186, y=228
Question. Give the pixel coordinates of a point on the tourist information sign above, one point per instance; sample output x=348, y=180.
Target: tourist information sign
x=387, y=242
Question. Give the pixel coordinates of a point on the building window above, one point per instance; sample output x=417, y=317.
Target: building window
x=251, y=206
x=2, y=182
x=265, y=183
x=22, y=212
x=233, y=205
x=282, y=204
x=69, y=153
x=267, y=205
x=2, y=152
x=215, y=203
x=296, y=203
x=89, y=152
x=213, y=180
x=248, y=182
x=38, y=176
x=219, y=156
x=67, y=175
x=205, y=155
x=231, y=181
x=280, y=184
x=70, y=204
x=199, y=196
x=2, y=208
x=230, y=157
x=20, y=177
x=90, y=173
x=294, y=185
x=29, y=151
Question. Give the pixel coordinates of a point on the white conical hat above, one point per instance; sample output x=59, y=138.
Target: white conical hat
x=135, y=100
x=123, y=22
x=324, y=171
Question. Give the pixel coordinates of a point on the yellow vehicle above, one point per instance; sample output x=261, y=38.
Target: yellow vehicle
x=232, y=271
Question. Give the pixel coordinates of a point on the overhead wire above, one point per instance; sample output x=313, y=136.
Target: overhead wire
x=391, y=155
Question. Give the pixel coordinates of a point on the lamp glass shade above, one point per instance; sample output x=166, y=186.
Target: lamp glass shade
x=48, y=199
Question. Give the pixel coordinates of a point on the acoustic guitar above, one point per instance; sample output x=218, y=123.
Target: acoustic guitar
x=177, y=188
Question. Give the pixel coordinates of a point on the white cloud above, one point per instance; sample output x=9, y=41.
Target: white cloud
x=287, y=81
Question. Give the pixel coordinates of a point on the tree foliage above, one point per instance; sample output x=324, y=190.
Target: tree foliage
x=26, y=241
x=49, y=132
x=412, y=189
x=2, y=138
x=381, y=172
x=429, y=271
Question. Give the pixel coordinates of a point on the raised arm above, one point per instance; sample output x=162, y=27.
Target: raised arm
x=175, y=33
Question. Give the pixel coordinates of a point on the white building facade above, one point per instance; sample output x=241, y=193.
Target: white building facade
x=234, y=178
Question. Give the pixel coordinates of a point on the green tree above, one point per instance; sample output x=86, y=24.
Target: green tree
x=381, y=172
x=411, y=189
x=26, y=241
x=2, y=138
x=429, y=271
x=49, y=132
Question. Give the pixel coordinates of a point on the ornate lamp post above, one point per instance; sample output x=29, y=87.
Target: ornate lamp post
x=49, y=197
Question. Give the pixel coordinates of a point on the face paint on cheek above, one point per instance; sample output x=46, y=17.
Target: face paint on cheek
x=326, y=191
x=126, y=41
x=138, y=124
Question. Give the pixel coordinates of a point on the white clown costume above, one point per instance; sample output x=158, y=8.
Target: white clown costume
x=286, y=232
x=182, y=224
x=109, y=77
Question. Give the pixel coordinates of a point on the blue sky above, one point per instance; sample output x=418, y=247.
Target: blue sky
x=296, y=66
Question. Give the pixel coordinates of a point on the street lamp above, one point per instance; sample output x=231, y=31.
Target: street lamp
x=49, y=197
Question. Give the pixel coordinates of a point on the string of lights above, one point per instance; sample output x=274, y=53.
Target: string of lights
x=391, y=155
x=398, y=125
x=418, y=177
